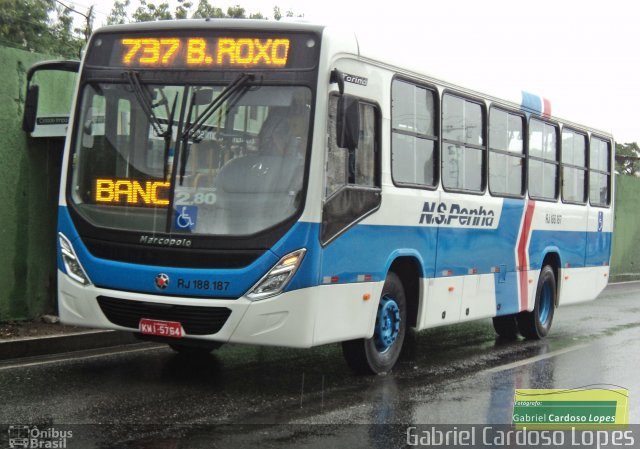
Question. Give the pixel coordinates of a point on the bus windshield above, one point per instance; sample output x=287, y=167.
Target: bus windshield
x=159, y=158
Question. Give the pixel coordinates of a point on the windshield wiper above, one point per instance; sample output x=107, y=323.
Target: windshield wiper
x=147, y=105
x=164, y=101
x=168, y=135
x=145, y=102
x=233, y=90
x=193, y=128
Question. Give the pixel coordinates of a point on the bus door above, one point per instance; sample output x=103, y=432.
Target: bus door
x=569, y=224
x=469, y=257
x=600, y=222
x=475, y=249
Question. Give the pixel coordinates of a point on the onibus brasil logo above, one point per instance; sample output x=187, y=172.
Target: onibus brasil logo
x=32, y=437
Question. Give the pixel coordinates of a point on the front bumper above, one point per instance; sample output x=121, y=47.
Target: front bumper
x=299, y=318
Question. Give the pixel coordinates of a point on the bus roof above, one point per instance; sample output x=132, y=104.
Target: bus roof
x=230, y=24
x=363, y=49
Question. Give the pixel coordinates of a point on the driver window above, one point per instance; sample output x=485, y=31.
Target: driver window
x=356, y=167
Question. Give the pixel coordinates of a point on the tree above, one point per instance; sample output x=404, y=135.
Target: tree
x=277, y=13
x=628, y=158
x=182, y=10
x=63, y=33
x=42, y=25
x=118, y=14
x=25, y=23
x=150, y=11
x=206, y=10
x=236, y=12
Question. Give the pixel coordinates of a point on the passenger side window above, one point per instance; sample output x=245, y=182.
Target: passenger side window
x=506, y=153
x=413, y=146
x=543, y=160
x=574, y=166
x=600, y=172
x=463, y=144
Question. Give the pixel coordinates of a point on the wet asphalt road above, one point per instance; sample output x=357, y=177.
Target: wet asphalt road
x=147, y=396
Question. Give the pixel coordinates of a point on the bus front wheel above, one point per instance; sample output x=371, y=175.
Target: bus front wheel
x=536, y=324
x=380, y=353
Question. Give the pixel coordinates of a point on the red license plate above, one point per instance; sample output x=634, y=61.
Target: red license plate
x=161, y=328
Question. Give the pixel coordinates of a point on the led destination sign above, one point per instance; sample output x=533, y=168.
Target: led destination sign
x=212, y=49
x=200, y=51
x=131, y=192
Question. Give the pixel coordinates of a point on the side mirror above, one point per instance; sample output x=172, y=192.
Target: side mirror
x=30, y=109
x=88, y=128
x=49, y=126
x=348, y=122
x=87, y=135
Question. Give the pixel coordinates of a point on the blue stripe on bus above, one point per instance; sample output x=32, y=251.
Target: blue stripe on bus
x=366, y=249
x=599, y=246
x=370, y=250
x=141, y=278
x=531, y=103
x=507, y=285
x=570, y=245
x=460, y=249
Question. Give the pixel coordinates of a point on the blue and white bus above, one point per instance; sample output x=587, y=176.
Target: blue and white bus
x=273, y=183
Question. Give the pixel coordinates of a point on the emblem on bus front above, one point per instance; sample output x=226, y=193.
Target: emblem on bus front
x=162, y=281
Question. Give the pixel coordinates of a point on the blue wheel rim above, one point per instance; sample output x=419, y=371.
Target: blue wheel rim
x=387, y=323
x=546, y=303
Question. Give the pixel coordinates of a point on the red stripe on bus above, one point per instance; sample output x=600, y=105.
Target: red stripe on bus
x=525, y=235
x=546, y=110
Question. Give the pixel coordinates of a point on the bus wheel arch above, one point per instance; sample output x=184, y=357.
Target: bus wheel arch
x=535, y=324
x=409, y=271
x=396, y=312
x=552, y=259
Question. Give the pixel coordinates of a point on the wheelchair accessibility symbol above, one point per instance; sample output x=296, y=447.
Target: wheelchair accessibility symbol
x=600, y=221
x=186, y=218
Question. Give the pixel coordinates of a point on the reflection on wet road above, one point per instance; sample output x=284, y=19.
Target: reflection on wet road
x=148, y=396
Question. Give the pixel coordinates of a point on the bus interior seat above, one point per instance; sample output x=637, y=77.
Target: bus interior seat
x=257, y=191
x=206, y=154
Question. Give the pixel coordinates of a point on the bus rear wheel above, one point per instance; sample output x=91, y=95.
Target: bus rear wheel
x=380, y=353
x=536, y=324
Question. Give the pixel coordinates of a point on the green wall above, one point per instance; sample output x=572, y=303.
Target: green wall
x=29, y=180
x=625, y=260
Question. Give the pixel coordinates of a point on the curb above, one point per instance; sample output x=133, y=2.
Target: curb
x=36, y=346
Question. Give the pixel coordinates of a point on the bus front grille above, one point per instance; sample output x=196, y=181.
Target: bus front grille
x=195, y=320
x=172, y=257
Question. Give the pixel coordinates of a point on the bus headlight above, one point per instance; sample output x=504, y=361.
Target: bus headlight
x=278, y=277
x=71, y=263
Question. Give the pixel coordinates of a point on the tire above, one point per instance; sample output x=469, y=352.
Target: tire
x=380, y=353
x=506, y=326
x=536, y=324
